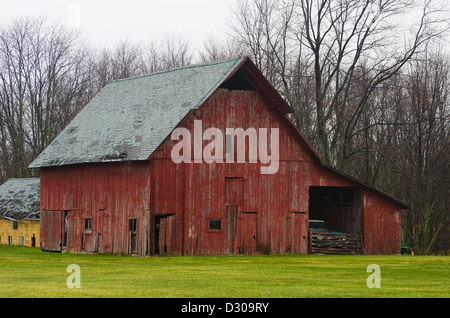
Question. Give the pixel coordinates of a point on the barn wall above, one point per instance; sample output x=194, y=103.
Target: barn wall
x=245, y=200
x=109, y=194
x=273, y=208
x=382, y=226
x=175, y=203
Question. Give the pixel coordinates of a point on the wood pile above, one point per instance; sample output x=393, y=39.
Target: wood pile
x=335, y=243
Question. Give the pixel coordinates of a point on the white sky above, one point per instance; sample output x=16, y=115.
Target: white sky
x=105, y=22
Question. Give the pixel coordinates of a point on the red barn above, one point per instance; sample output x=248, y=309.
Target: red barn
x=110, y=182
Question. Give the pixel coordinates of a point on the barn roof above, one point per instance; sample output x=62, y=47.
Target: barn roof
x=129, y=118
x=20, y=199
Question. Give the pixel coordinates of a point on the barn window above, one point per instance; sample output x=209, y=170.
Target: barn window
x=88, y=225
x=132, y=225
x=15, y=225
x=229, y=147
x=215, y=224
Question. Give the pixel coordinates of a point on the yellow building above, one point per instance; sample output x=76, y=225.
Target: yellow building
x=19, y=212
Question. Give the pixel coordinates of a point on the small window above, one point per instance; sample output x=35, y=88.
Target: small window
x=132, y=226
x=88, y=225
x=15, y=225
x=229, y=147
x=215, y=224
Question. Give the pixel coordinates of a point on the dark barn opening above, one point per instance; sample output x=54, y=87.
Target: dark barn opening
x=132, y=226
x=338, y=207
x=237, y=81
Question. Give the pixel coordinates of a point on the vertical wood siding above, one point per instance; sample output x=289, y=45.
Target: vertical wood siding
x=109, y=194
x=175, y=203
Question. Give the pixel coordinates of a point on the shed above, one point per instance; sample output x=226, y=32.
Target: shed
x=139, y=171
x=19, y=212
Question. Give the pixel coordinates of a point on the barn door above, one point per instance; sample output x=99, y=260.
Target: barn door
x=132, y=232
x=299, y=233
x=51, y=230
x=65, y=227
x=66, y=231
x=105, y=236
x=165, y=234
x=247, y=233
x=89, y=237
x=234, y=197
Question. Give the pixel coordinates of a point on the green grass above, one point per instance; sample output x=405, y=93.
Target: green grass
x=28, y=273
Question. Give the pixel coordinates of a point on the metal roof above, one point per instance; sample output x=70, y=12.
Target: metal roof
x=129, y=118
x=20, y=199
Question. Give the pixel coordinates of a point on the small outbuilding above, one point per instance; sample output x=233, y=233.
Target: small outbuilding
x=199, y=160
x=19, y=212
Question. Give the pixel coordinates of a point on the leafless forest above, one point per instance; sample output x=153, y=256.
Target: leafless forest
x=369, y=82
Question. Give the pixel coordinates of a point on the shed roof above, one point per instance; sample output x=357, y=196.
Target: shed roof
x=20, y=199
x=129, y=118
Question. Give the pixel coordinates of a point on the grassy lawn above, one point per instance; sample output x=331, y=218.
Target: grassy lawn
x=28, y=273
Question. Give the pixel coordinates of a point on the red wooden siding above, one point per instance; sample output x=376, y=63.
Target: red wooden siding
x=382, y=230
x=173, y=204
x=108, y=194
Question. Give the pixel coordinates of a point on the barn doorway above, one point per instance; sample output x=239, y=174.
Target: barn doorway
x=132, y=229
x=337, y=207
x=234, y=198
x=247, y=229
x=164, y=234
x=66, y=228
x=52, y=238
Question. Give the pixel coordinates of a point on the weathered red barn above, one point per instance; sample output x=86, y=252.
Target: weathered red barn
x=110, y=184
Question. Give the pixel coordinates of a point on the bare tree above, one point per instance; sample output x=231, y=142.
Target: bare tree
x=422, y=148
x=175, y=52
x=122, y=61
x=42, y=80
x=214, y=50
x=128, y=59
x=337, y=42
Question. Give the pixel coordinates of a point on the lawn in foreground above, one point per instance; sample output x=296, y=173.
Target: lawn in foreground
x=28, y=272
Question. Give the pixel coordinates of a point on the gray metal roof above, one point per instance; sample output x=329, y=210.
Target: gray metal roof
x=20, y=199
x=129, y=118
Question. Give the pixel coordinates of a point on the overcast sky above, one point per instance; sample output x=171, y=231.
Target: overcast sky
x=108, y=22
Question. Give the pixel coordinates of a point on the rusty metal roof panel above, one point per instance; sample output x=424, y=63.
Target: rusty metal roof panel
x=20, y=199
x=129, y=118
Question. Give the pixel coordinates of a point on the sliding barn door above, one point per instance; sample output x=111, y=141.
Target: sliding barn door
x=247, y=233
x=241, y=226
x=52, y=230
